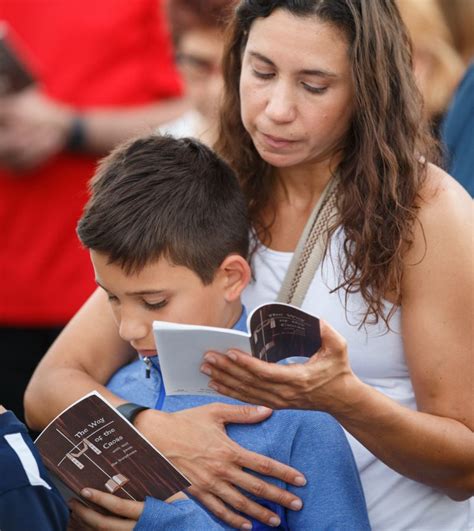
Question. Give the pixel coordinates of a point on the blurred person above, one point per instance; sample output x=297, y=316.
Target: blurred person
x=198, y=31
x=459, y=17
x=458, y=133
x=437, y=65
x=105, y=71
x=27, y=498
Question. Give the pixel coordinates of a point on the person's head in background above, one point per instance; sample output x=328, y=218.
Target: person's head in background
x=459, y=16
x=437, y=64
x=168, y=234
x=198, y=31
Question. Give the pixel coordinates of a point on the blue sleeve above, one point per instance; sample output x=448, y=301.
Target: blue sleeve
x=458, y=133
x=28, y=500
x=176, y=516
x=333, y=498
x=33, y=508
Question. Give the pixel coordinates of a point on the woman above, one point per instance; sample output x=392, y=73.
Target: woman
x=397, y=279
x=326, y=88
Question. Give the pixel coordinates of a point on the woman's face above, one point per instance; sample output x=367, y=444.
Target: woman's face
x=296, y=89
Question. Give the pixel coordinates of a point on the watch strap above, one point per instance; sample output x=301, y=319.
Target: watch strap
x=130, y=410
x=77, y=135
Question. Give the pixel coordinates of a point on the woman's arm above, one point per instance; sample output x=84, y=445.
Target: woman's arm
x=434, y=445
x=85, y=356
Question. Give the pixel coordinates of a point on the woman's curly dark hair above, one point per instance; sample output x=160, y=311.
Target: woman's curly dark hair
x=385, y=153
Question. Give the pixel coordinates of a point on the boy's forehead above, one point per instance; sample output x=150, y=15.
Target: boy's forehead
x=159, y=275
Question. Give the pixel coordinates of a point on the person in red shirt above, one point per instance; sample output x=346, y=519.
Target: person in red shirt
x=105, y=71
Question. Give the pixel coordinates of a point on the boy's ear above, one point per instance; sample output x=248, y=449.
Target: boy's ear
x=235, y=275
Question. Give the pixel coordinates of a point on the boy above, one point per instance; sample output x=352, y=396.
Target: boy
x=168, y=235
x=27, y=498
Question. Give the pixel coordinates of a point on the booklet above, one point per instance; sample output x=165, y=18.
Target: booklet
x=15, y=75
x=277, y=331
x=90, y=444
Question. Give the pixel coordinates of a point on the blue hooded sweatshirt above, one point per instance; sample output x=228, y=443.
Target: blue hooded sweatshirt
x=310, y=441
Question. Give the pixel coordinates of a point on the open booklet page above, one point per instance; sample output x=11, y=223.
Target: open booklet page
x=90, y=444
x=278, y=331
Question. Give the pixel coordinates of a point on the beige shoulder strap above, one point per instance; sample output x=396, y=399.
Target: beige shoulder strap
x=310, y=249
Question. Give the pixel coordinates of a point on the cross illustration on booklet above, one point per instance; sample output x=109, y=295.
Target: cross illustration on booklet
x=90, y=444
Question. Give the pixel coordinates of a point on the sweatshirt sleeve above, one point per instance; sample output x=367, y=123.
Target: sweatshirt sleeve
x=181, y=514
x=333, y=497
x=28, y=500
x=33, y=508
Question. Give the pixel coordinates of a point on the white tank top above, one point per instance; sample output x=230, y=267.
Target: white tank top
x=377, y=357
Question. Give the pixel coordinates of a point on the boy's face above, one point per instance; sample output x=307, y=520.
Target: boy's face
x=161, y=291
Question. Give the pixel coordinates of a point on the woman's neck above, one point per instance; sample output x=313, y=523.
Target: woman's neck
x=301, y=188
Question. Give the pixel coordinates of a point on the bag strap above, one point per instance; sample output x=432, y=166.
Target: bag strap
x=310, y=249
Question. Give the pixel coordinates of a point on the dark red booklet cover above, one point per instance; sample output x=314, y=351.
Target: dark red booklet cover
x=90, y=444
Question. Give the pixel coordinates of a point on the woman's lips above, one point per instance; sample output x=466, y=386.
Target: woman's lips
x=277, y=142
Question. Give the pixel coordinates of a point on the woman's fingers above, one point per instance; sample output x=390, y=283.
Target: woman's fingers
x=261, y=489
x=219, y=509
x=256, y=396
x=263, y=465
x=272, y=385
x=243, y=504
x=196, y=442
x=234, y=414
x=231, y=414
x=331, y=340
x=114, y=504
x=247, y=369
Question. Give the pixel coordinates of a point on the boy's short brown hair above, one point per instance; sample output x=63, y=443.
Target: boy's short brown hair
x=160, y=196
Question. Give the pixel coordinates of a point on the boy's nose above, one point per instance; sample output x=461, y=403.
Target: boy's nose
x=131, y=329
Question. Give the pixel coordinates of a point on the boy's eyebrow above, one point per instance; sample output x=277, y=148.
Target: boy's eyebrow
x=146, y=292
x=141, y=292
x=311, y=72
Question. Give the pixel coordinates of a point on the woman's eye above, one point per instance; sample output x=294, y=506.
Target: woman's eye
x=313, y=89
x=155, y=305
x=262, y=75
x=112, y=299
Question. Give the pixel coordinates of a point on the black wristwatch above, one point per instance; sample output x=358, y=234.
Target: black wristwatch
x=77, y=135
x=131, y=410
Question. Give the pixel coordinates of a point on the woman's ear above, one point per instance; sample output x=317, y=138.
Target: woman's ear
x=235, y=274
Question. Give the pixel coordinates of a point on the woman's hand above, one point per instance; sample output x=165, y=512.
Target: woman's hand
x=196, y=442
x=123, y=516
x=320, y=383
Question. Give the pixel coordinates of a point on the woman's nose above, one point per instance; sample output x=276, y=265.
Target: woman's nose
x=281, y=107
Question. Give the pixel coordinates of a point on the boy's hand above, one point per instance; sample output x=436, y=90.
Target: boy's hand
x=196, y=442
x=124, y=513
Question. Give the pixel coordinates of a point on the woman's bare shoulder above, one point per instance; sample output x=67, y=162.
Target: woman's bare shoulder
x=441, y=192
x=444, y=218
